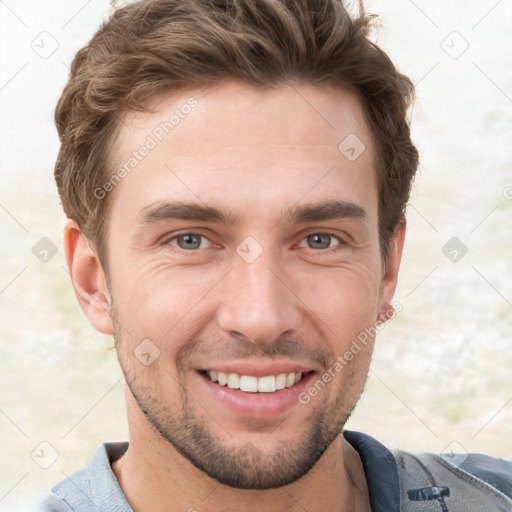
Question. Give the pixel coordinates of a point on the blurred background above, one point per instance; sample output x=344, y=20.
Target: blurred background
x=441, y=376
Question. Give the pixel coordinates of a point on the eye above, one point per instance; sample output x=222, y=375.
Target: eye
x=321, y=241
x=189, y=241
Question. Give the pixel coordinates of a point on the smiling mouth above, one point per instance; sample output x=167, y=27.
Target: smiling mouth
x=252, y=384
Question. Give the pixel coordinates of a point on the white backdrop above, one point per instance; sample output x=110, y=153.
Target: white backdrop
x=440, y=379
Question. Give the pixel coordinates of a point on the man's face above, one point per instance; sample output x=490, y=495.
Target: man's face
x=246, y=242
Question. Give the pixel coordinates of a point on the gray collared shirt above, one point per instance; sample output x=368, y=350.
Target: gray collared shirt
x=397, y=481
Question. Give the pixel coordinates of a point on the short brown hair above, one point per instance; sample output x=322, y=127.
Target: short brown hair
x=153, y=46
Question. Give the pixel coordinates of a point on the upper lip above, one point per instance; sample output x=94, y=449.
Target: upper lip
x=259, y=369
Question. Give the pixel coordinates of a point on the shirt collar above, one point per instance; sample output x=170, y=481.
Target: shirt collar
x=378, y=463
x=380, y=470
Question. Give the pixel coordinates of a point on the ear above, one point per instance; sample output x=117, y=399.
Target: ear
x=390, y=275
x=88, y=279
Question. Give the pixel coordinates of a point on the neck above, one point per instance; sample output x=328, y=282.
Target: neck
x=154, y=476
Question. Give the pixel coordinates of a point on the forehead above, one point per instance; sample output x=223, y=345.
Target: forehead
x=239, y=113
x=233, y=142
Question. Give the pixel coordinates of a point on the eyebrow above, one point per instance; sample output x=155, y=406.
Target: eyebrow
x=331, y=210
x=184, y=211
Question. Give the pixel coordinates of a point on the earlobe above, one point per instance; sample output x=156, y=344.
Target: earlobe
x=390, y=275
x=88, y=279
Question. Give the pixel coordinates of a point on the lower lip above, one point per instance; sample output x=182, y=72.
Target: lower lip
x=257, y=405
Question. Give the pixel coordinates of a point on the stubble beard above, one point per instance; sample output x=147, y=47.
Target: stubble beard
x=242, y=467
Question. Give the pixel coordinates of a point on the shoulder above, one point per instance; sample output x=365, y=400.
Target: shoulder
x=409, y=482
x=93, y=487
x=68, y=494
x=455, y=481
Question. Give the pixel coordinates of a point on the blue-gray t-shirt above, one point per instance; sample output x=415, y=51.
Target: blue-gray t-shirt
x=397, y=481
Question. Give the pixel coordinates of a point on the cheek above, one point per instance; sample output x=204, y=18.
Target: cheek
x=163, y=304
x=344, y=299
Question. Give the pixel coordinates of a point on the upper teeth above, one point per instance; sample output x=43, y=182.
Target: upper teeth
x=267, y=384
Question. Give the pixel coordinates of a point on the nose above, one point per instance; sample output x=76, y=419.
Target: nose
x=257, y=303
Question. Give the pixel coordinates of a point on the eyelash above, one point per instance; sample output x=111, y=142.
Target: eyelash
x=325, y=233
x=169, y=241
x=341, y=242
